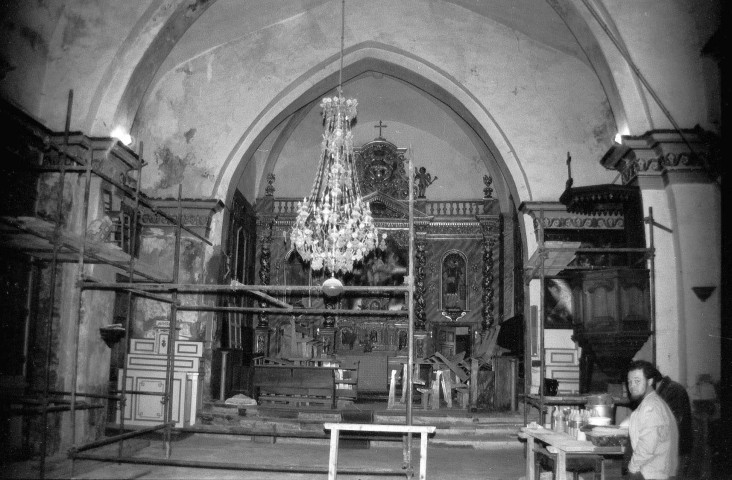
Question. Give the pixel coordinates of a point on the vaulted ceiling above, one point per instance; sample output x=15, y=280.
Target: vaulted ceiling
x=224, y=92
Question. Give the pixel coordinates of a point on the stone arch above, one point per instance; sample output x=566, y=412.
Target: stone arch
x=370, y=56
x=622, y=88
x=128, y=78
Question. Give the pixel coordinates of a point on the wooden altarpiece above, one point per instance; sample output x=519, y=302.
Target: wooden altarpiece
x=457, y=255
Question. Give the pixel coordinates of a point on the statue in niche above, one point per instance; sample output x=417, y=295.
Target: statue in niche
x=367, y=346
x=260, y=345
x=454, y=286
x=402, y=339
x=348, y=337
x=424, y=179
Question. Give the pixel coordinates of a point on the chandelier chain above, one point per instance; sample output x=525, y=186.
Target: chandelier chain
x=343, y=36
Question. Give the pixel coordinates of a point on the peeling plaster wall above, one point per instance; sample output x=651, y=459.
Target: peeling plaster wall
x=158, y=249
x=546, y=102
x=24, y=51
x=83, y=45
x=224, y=88
x=58, y=45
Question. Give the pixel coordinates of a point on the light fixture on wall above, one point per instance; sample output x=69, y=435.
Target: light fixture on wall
x=121, y=134
x=703, y=293
x=334, y=228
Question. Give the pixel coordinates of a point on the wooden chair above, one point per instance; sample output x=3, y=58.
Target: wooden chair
x=431, y=396
x=395, y=378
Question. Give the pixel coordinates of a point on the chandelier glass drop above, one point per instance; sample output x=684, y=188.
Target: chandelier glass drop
x=334, y=228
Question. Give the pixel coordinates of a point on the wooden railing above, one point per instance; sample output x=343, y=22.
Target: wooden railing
x=438, y=208
x=454, y=208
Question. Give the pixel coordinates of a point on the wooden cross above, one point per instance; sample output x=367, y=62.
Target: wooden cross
x=380, y=126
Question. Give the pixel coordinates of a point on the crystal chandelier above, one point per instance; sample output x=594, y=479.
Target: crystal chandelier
x=334, y=228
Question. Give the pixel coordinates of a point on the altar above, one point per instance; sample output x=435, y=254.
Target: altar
x=458, y=290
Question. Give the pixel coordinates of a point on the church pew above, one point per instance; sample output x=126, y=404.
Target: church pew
x=295, y=385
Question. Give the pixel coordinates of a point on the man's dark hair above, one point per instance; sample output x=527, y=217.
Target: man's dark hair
x=649, y=370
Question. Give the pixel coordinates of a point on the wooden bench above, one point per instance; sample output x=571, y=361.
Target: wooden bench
x=295, y=385
x=336, y=428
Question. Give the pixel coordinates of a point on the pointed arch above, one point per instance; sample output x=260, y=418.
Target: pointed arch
x=375, y=57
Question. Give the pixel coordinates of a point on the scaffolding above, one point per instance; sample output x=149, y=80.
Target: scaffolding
x=550, y=260
x=53, y=243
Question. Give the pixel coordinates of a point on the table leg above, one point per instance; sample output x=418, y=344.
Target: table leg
x=423, y=456
x=561, y=466
x=333, y=459
x=530, y=474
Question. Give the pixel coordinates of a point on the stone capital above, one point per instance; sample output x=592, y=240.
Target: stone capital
x=660, y=152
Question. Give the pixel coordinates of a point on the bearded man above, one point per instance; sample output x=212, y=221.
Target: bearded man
x=654, y=435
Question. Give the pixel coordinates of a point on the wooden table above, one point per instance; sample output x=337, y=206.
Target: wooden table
x=562, y=444
x=335, y=429
x=540, y=402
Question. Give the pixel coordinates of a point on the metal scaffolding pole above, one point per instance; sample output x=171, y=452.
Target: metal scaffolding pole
x=652, y=278
x=231, y=289
x=80, y=292
x=410, y=336
x=52, y=293
x=172, y=333
x=299, y=312
x=130, y=304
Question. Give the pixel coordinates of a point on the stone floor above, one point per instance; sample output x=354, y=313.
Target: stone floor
x=443, y=461
x=469, y=446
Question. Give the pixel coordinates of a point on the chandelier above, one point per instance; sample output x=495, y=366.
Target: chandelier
x=334, y=228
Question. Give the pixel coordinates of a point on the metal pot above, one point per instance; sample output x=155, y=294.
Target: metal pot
x=600, y=410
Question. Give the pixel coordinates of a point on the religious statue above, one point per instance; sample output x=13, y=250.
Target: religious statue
x=348, y=337
x=424, y=179
x=260, y=345
x=487, y=191
x=453, y=283
x=402, y=340
x=270, y=189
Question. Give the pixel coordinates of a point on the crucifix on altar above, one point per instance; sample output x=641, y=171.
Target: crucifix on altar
x=380, y=126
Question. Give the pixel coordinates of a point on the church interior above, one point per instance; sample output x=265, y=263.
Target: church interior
x=532, y=190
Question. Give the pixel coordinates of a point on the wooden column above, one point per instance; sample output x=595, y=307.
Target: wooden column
x=420, y=290
x=490, y=228
x=261, y=332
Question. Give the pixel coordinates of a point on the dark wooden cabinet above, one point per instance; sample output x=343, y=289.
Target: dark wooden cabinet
x=613, y=319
